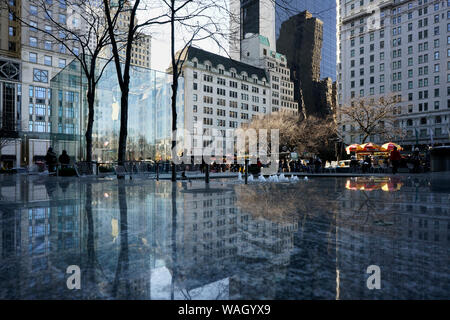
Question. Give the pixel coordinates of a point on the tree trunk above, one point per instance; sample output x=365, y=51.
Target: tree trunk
x=90, y=124
x=174, y=126
x=122, y=279
x=175, y=73
x=90, y=246
x=174, y=241
x=123, y=126
x=364, y=139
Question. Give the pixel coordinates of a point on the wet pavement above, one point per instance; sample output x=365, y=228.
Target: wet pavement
x=143, y=239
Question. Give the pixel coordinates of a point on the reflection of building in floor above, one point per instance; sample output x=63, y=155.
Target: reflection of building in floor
x=217, y=240
x=406, y=234
x=43, y=237
x=222, y=249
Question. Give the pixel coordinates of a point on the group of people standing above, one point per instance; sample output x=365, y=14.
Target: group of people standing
x=414, y=161
x=51, y=160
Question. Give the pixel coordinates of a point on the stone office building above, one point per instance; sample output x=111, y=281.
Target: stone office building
x=398, y=48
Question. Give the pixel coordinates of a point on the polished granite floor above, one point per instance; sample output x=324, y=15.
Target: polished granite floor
x=142, y=239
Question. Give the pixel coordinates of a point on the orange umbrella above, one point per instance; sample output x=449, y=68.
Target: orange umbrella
x=353, y=148
x=370, y=147
x=390, y=146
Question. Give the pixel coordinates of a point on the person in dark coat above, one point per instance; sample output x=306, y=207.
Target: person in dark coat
x=367, y=164
x=416, y=160
x=395, y=160
x=51, y=160
x=64, y=159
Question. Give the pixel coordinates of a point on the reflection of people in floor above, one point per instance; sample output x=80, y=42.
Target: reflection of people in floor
x=64, y=185
x=50, y=186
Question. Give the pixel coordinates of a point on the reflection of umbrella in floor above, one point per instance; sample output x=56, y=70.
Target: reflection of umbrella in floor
x=362, y=185
x=371, y=186
x=392, y=186
x=368, y=184
x=353, y=148
x=370, y=147
x=390, y=146
x=353, y=185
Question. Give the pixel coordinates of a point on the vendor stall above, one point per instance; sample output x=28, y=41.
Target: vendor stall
x=378, y=153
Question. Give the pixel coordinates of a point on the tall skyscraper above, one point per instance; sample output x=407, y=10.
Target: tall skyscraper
x=251, y=17
x=326, y=11
x=300, y=40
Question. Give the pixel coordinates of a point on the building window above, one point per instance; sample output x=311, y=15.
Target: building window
x=47, y=60
x=40, y=95
x=33, y=10
x=33, y=26
x=62, y=63
x=40, y=110
x=39, y=126
x=33, y=42
x=33, y=57
x=48, y=45
x=40, y=75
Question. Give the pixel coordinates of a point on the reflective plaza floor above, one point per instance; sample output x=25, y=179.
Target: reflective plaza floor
x=142, y=239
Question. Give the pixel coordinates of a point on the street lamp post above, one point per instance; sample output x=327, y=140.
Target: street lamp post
x=207, y=173
x=246, y=171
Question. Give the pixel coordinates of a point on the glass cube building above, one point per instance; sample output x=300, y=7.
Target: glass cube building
x=149, y=114
x=325, y=10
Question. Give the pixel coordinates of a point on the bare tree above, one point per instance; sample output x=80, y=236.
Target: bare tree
x=310, y=134
x=82, y=33
x=197, y=21
x=127, y=34
x=373, y=116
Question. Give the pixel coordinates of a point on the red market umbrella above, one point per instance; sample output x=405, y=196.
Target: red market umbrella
x=353, y=148
x=370, y=147
x=390, y=146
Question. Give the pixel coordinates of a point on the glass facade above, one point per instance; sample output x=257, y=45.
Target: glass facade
x=149, y=114
x=325, y=10
x=250, y=15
